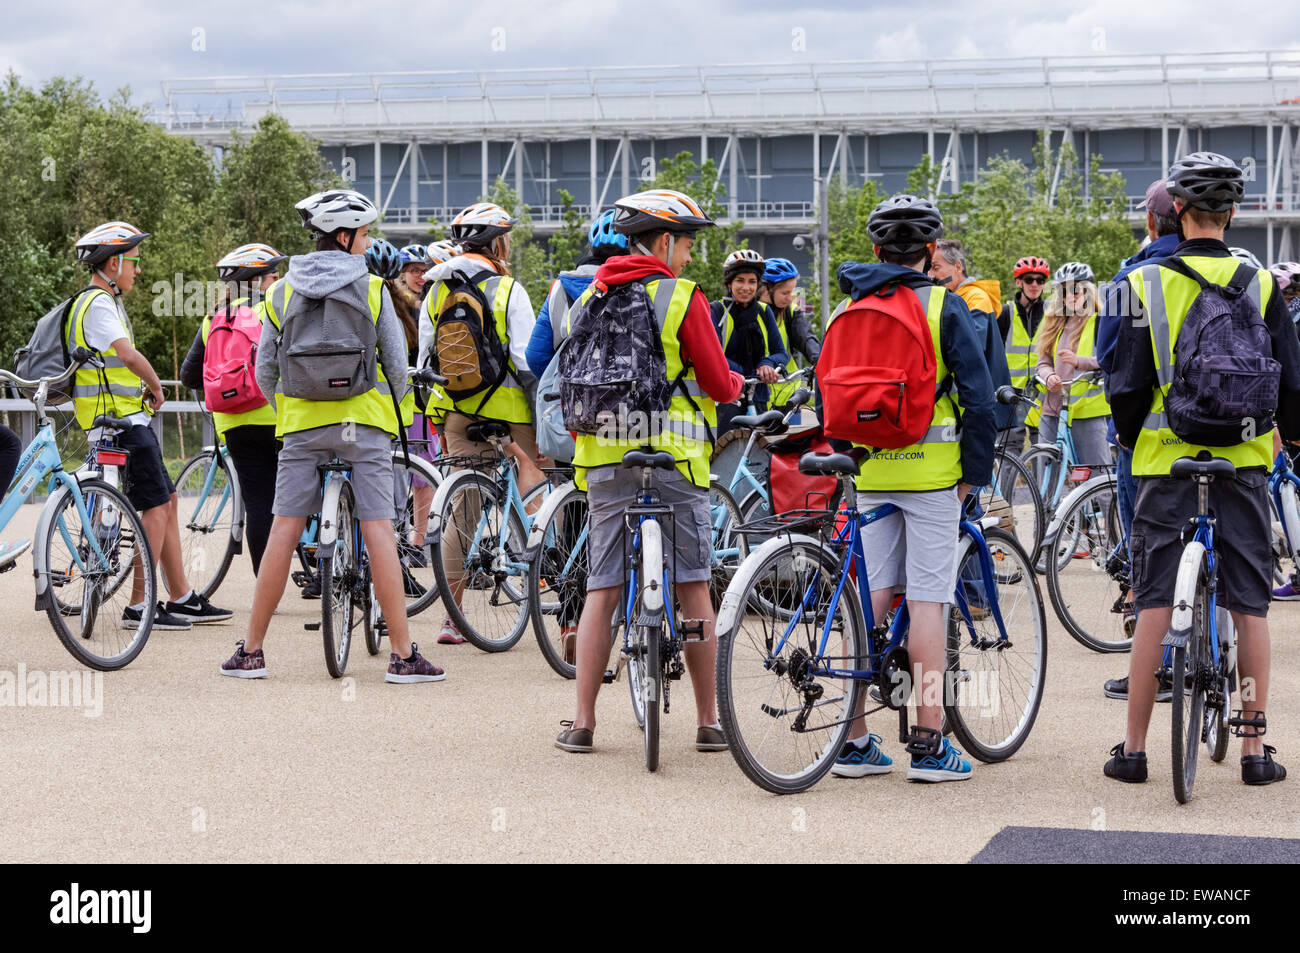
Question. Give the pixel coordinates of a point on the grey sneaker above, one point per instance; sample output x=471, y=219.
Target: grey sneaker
x=574, y=740
x=709, y=738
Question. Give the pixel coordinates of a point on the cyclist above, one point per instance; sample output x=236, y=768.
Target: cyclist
x=246, y=273
x=97, y=320
x=483, y=233
x=780, y=277
x=11, y=451
x=747, y=329
x=660, y=225
x=916, y=548
x=1065, y=347
x=358, y=430
x=415, y=262
x=1287, y=274
x=1206, y=188
x=1018, y=322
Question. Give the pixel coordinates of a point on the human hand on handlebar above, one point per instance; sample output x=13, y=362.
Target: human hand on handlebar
x=1053, y=382
x=768, y=374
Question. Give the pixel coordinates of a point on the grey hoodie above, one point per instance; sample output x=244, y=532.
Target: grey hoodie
x=316, y=275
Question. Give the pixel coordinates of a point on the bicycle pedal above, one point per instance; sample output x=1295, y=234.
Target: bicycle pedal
x=311, y=626
x=608, y=677
x=924, y=741
x=5, y=569
x=693, y=630
x=1245, y=719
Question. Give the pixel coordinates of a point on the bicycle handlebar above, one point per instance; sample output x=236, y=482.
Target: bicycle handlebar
x=80, y=356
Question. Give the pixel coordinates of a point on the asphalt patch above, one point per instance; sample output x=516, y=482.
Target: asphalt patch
x=1063, y=845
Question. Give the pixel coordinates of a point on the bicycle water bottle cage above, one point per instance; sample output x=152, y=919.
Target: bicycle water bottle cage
x=924, y=741
x=1246, y=723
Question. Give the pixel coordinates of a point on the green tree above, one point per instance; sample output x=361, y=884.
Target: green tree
x=529, y=263
x=567, y=244
x=848, y=207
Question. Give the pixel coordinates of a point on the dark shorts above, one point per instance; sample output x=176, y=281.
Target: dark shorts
x=147, y=482
x=1242, y=539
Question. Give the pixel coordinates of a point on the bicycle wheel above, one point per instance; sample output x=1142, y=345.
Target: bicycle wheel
x=1219, y=703
x=1191, y=670
x=338, y=574
x=1013, y=496
x=87, y=565
x=370, y=615
x=993, y=686
x=557, y=580
x=648, y=682
x=208, y=508
x=480, y=557
x=784, y=717
x=1043, y=464
x=1089, y=594
x=729, y=547
x=414, y=486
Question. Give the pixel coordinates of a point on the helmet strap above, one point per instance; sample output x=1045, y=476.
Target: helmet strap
x=117, y=292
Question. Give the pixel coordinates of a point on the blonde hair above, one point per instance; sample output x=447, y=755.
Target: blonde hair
x=1055, y=314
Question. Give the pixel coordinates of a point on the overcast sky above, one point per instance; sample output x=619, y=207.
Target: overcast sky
x=138, y=44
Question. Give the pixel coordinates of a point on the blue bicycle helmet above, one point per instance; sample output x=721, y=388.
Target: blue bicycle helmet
x=602, y=234
x=778, y=270
x=383, y=259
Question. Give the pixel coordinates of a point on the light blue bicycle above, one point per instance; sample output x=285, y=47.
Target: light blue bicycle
x=90, y=546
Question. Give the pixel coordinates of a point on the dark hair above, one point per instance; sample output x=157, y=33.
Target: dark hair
x=907, y=259
x=332, y=241
x=1165, y=224
x=1207, y=219
x=407, y=308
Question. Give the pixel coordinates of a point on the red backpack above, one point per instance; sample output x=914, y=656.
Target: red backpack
x=877, y=371
x=230, y=362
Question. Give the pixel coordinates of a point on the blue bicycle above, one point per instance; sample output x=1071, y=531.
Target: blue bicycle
x=798, y=641
x=1054, y=464
x=91, y=559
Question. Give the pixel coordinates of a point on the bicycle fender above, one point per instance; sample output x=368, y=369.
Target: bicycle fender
x=329, y=523
x=745, y=574
x=652, y=559
x=543, y=517
x=1054, y=527
x=1290, y=513
x=1189, y=569
x=40, y=555
x=433, y=533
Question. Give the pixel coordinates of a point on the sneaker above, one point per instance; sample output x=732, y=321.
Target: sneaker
x=1127, y=767
x=450, y=635
x=415, y=558
x=244, y=664
x=947, y=765
x=1287, y=593
x=575, y=740
x=1118, y=687
x=569, y=644
x=9, y=552
x=855, y=762
x=417, y=668
x=162, y=619
x=198, y=610
x=1261, y=768
x=410, y=584
x=311, y=590
x=710, y=738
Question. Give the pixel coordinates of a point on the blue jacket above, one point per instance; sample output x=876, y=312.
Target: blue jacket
x=541, y=347
x=962, y=353
x=1109, y=317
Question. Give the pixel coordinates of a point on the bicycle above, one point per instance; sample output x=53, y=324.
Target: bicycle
x=557, y=575
x=786, y=698
x=1204, y=667
x=211, y=515
x=344, y=566
x=1013, y=492
x=88, y=539
x=1284, y=493
x=1054, y=464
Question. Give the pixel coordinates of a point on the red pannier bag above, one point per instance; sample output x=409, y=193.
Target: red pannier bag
x=788, y=489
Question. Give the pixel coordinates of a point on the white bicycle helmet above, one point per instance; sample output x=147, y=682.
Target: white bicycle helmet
x=659, y=209
x=1073, y=271
x=1287, y=274
x=439, y=252
x=248, y=262
x=740, y=261
x=326, y=212
x=1247, y=256
x=104, y=241
x=479, y=224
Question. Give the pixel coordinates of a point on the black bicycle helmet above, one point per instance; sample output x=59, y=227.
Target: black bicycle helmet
x=1206, y=180
x=904, y=223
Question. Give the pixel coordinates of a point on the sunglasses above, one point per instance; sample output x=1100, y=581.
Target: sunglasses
x=138, y=260
x=1034, y=279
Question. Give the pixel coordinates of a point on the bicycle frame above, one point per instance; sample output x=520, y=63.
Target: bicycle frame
x=221, y=453
x=1181, y=622
x=646, y=507
x=505, y=478
x=1280, y=475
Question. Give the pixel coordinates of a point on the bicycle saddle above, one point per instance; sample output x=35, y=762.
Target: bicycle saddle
x=661, y=460
x=833, y=464
x=483, y=431
x=769, y=422
x=115, y=424
x=1208, y=467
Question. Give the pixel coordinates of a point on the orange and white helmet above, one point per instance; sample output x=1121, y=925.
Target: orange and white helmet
x=104, y=241
x=248, y=262
x=743, y=260
x=440, y=252
x=480, y=223
x=659, y=209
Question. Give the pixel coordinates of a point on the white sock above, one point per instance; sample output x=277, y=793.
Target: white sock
x=138, y=607
x=185, y=598
x=861, y=741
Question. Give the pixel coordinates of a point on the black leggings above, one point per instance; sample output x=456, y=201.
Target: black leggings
x=255, y=453
x=11, y=451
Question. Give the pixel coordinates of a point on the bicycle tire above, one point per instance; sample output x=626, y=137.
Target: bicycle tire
x=418, y=579
x=480, y=493
x=1009, y=472
x=370, y=617
x=652, y=669
x=195, y=525
x=1084, y=613
x=1043, y=465
x=565, y=573
x=725, y=515
x=746, y=640
x=97, y=617
x=337, y=571
x=1187, y=707
x=1021, y=605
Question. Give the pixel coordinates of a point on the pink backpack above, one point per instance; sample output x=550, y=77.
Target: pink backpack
x=230, y=362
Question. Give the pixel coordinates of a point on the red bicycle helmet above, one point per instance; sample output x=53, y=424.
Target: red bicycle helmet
x=1031, y=264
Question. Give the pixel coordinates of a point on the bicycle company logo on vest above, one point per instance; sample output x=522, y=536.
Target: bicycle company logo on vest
x=36, y=689
x=133, y=908
x=632, y=427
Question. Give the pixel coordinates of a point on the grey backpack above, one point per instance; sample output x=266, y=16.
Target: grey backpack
x=46, y=353
x=327, y=345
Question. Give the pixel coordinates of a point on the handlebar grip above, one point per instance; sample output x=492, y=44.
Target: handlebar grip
x=1006, y=394
x=428, y=378
x=554, y=396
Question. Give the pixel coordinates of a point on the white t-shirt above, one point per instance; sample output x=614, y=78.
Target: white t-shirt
x=103, y=324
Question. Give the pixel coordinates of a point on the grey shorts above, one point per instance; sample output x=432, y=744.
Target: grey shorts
x=610, y=490
x=369, y=451
x=915, y=548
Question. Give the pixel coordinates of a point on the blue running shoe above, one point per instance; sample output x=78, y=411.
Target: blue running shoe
x=855, y=762
x=947, y=765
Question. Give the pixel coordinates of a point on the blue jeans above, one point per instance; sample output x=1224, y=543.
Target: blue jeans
x=1127, y=488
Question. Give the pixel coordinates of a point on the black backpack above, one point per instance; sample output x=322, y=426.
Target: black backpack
x=1225, y=383
x=466, y=347
x=613, y=372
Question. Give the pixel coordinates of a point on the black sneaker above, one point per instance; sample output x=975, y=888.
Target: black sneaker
x=1261, y=768
x=1118, y=687
x=198, y=610
x=162, y=619
x=1126, y=767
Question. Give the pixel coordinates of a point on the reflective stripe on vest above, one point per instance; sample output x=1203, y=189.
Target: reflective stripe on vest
x=1167, y=296
x=115, y=390
x=686, y=433
x=372, y=409
x=258, y=416
x=781, y=393
x=935, y=462
x=1019, y=348
x=507, y=402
